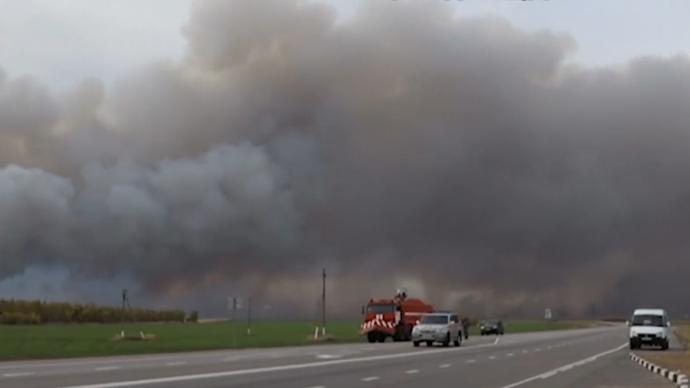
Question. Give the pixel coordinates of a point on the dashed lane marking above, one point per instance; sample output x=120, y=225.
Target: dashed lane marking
x=328, y=356
x=443, y=366
x=18, y=374
x=106, y=368
x=412, y=371
x=564, y=368
x=269, y=369
x=370, y=379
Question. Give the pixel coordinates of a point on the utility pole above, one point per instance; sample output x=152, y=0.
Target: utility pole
x=233, y=323
x=249, y=316
x=124, y=303
x=323, y=303
x=124, y=309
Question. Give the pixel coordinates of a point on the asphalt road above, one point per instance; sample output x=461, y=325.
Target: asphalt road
x=576, y=358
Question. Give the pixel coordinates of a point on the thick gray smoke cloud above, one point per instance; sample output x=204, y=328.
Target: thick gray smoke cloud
x=460, y=157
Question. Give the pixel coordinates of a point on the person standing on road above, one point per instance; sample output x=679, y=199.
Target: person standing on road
x=465, y=327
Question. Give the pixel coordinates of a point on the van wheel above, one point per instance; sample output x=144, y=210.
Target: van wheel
x=458, y=340
x=429, y=343
x=446, y=341
x=415, y=343
x=664, y=345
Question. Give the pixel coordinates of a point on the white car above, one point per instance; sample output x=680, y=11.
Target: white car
x=438, y=327
x=649, y=327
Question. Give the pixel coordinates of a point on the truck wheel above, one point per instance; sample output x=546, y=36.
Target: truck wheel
x=429, y=343
x=371, y=337
x=381, y=338
x=415, y=343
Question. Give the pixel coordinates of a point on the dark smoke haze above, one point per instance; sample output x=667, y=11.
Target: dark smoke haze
x=461, y=158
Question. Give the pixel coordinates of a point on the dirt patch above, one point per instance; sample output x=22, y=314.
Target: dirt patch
x=675, y=359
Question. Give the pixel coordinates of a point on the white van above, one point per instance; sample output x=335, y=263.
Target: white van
x=649, y=327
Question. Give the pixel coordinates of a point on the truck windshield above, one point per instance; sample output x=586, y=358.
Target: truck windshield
x=381, y=308
x=647, y=320
x=435, y=319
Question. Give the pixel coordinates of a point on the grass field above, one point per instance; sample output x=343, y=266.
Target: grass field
x=82, y=340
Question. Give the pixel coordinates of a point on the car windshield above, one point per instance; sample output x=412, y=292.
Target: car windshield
x=648, y=320
x=381, y=308
x=435, y=319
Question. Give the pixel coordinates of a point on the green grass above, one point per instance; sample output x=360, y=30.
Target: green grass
x=85, y=340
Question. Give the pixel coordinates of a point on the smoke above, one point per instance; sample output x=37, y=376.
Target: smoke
x=461, y=156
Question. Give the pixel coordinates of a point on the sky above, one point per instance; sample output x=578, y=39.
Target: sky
x=63, y=42
x=496, y=157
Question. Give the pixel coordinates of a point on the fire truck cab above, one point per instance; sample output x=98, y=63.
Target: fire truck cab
x=393, y=318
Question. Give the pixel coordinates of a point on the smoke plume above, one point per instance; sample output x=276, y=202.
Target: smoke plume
x=463, y=158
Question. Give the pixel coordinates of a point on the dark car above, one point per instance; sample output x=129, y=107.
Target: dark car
x=491, y=327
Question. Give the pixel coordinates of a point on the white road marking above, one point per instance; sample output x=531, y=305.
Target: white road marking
x=498, y=339
x=470, y=361
x=106, y=368
x=318, y=386
x=328, y=356
x=510, y=355
x=18, y=374
x=444, y=366
x=412, y=371
x=492, y=357
x=119, y=360
x=370, y=379
x=564, y=368
x=176, y=363
x=213, y=375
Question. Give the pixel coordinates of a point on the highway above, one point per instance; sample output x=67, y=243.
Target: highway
x=595, y=357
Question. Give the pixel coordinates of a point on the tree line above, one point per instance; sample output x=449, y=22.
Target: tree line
x=20, y=312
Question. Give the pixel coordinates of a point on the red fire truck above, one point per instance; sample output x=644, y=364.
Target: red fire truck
x=394, y=318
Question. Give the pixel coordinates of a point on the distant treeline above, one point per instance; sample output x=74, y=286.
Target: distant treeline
x=20, y=312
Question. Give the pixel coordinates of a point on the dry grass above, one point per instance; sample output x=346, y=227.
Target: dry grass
x=674, y=359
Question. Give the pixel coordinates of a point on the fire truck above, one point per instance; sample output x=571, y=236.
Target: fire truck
x=394, y=318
